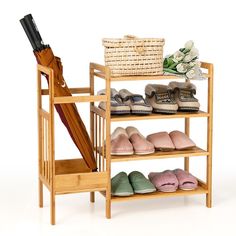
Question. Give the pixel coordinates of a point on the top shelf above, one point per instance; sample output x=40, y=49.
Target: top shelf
x=143, y=77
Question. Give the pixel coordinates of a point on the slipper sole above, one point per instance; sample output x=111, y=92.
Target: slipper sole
x=122, y=153
x=144, y=153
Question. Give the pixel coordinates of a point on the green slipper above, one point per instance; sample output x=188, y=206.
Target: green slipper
x=120, y=185
x=140, y=183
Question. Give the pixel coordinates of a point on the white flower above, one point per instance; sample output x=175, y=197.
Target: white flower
x=191, y=55
x=194, y=52
x=195, y=63
x=195, y=73
x=191, y=74
x=178, y=56
x=189, y=44
x=188, y=58
x=182, y=67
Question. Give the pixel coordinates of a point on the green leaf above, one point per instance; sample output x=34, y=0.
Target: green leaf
x=170, y=71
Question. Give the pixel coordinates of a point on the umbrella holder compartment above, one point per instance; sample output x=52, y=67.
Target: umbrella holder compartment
x=69, y=175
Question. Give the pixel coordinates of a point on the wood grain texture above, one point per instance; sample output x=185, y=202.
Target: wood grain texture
x=157, y=194
x=161, y=155
x=81, y=182
x=116, y=118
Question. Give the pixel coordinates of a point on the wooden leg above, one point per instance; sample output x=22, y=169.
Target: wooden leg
x=108, y=202
x=40, y=193
x=186, y=159
x=209, y=182
x=108, y=206
x=92, y=196
x=52, y=208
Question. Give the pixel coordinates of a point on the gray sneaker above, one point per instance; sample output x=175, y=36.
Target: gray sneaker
x=117, y=105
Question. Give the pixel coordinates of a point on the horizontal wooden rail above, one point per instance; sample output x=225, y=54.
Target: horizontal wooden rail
x=72, y=90
x=98, y=67
x=205, y=65
x=71, y=99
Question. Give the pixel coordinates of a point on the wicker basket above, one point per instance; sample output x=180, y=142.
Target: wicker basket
x=134, y=56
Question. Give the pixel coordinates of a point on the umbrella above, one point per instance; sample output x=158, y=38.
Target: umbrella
x=68, y=112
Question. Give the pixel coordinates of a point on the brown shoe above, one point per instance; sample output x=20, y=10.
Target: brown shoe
x=160, y=97
x=184, y=96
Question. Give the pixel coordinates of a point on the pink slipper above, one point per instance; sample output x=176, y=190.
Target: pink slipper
x=120, y=144
x=161, y=141
x=140, y=144
x=165, y=181
x=181, y=140
x=186, y=180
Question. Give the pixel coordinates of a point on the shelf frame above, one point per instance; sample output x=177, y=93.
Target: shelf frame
x=102, y=72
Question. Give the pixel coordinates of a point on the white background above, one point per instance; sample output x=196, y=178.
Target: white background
x=74, y=30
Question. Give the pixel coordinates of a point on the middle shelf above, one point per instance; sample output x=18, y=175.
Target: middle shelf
x=179, y=114
x=161, y=155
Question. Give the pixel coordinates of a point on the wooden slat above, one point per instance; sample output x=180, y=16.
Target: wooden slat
x=143, y=77
x=80, y=182
x=43, y=146
x=99, y=142
x=162, y=155
x=40, y=139
x=73, y=99
x=209, y=135
x=103, y=144
x=187, y=132
x=179, y=192
x=108, y=141
x=152, y=116
x=72, y=90
x=91, y=85
x=44, y=114
x=98, y=111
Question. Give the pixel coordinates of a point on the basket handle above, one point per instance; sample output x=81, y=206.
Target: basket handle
x=138, y=48
x=129, y=36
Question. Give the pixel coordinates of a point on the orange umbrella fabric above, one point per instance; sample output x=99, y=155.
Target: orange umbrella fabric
x=68, y=112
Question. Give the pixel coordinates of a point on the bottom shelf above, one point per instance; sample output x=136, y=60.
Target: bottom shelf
x=198, y=190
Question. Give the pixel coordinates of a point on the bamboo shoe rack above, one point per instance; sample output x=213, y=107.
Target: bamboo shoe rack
x=72, y=175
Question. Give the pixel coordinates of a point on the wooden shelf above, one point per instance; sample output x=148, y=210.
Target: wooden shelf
x=161, y=155
x=159, y=116
x=143, y=77
x=198, y=190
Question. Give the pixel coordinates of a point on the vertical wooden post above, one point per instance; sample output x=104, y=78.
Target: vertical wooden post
x=40, y=127
x=91, y=85
x=51, y=143
x=187, y=132
x=108, y=152
x=209, y=135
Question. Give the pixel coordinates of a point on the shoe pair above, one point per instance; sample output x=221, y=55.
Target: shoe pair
x=172, y=97
x=125, y=102
x=136, y=182
x=170, y=181
x=163, y=141
x=128, y=141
